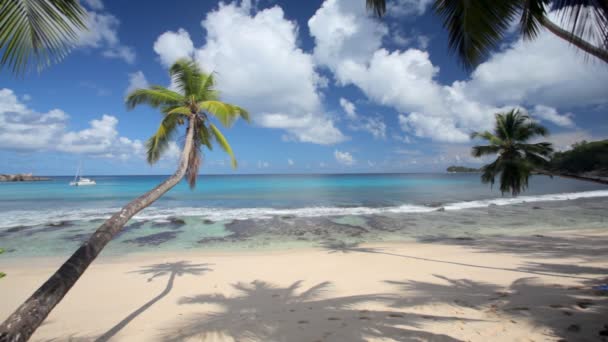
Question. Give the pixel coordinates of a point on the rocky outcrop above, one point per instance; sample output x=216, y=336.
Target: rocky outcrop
x=22, y=177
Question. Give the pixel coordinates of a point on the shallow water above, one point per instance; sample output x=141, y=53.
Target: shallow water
x=242, y=212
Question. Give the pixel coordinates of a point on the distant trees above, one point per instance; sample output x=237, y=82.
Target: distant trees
x=461, y=169
x=583, y=157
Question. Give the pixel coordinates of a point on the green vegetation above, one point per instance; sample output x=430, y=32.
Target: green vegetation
x=461, y=169
x=583, y=157
x=196, y=104
x=40, y=30
x=516, y=159
x=476, y=28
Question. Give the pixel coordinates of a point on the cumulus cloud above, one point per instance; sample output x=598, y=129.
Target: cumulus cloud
x=137, y=80
x=373, y=125
x=344, y=158
x=245, y=50
x=23, y=129
x=349, y=108
x=290, y=162
x=524, y=73
x=171, y=46
x=102, y=34
x=550, y=114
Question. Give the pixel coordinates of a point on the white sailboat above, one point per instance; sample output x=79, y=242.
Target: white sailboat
x=81, y=181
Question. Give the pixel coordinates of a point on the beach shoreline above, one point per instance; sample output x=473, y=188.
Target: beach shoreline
x=535, y=287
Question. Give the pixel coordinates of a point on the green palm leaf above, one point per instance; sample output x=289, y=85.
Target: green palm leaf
x=159, y=142
x=38, y=32
x=221, y=140
x=226, y=113
x=156, y=96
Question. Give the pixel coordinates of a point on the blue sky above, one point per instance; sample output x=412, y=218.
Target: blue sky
x=330, y=89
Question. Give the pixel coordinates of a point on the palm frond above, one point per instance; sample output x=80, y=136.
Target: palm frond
x=204, y=135
x=158, y=143
x=224, y=112
x=533, y=12
x=476, y=28
x=480, y=151
x=155, y=97
x=587, y=19
x=187, y=76
x=376, y=6
x=221, y=140
x=38, y=32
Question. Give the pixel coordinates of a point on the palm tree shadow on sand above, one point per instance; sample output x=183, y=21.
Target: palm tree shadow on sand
x=261, y=311
x=569, y=313
x=536, y=269
x=172, y=269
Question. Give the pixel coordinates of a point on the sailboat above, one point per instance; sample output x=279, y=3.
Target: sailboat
x=81, y=181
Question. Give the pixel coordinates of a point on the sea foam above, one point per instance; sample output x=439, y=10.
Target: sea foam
x=14, y=218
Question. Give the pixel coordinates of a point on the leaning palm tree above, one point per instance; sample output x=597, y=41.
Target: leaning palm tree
x=195, y=104
x=38, y=32
x=477, y=27
x=516, y=157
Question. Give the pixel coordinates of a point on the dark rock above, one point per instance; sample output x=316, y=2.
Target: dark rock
x=207, y=221
x=441, y=209
x=153, y=239
x=212, y=239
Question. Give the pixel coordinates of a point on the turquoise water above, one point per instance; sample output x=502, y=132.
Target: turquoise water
x=258, y=211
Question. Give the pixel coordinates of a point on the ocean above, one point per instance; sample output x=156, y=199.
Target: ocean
x=242, y=212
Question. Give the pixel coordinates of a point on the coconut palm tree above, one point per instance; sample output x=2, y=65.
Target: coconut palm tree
x=40, y=30
x=195, y=104
x=477, y=27
x=516, y=158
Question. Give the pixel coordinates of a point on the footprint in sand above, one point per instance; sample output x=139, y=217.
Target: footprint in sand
x=574, y=328
x=584, y=304
x=395, y=315
x=333, y=319
x=303, y=322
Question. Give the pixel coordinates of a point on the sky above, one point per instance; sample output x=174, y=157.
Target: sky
x=331, y=89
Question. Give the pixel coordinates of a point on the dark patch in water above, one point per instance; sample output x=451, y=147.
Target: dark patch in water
x=214, y=239
x=80, y=237
x=153, y=239
x=207, y=221
x=15, y=230
x=386, y=224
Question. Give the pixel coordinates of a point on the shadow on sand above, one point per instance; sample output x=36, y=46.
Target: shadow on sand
x=172, y=269
x=552, y=270
x=261, y=311
x=568, y=313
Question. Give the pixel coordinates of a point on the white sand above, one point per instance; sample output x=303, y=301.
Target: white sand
x=444, y=293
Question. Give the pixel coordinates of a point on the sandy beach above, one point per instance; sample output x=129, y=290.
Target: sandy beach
x=530, y=288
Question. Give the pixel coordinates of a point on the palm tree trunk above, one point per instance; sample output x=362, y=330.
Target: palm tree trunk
x=575, y=40
x=27, y=318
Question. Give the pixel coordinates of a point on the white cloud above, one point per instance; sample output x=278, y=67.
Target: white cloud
x=94, y=4
x=349, y=108
x=171, y=46
x=344, y=158
x=23, y=129
x=263, y=164
x=102, y=34
x=564, y=141
x=137, y=80
x=550, y=114
x=246, y=50
x=374, y=125
x=399, y=8
x=528, y=73
x=290, y=162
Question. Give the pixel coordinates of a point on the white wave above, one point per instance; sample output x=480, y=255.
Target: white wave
x=38, y=217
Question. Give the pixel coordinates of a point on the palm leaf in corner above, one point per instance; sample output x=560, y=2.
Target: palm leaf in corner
x=38, y=32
